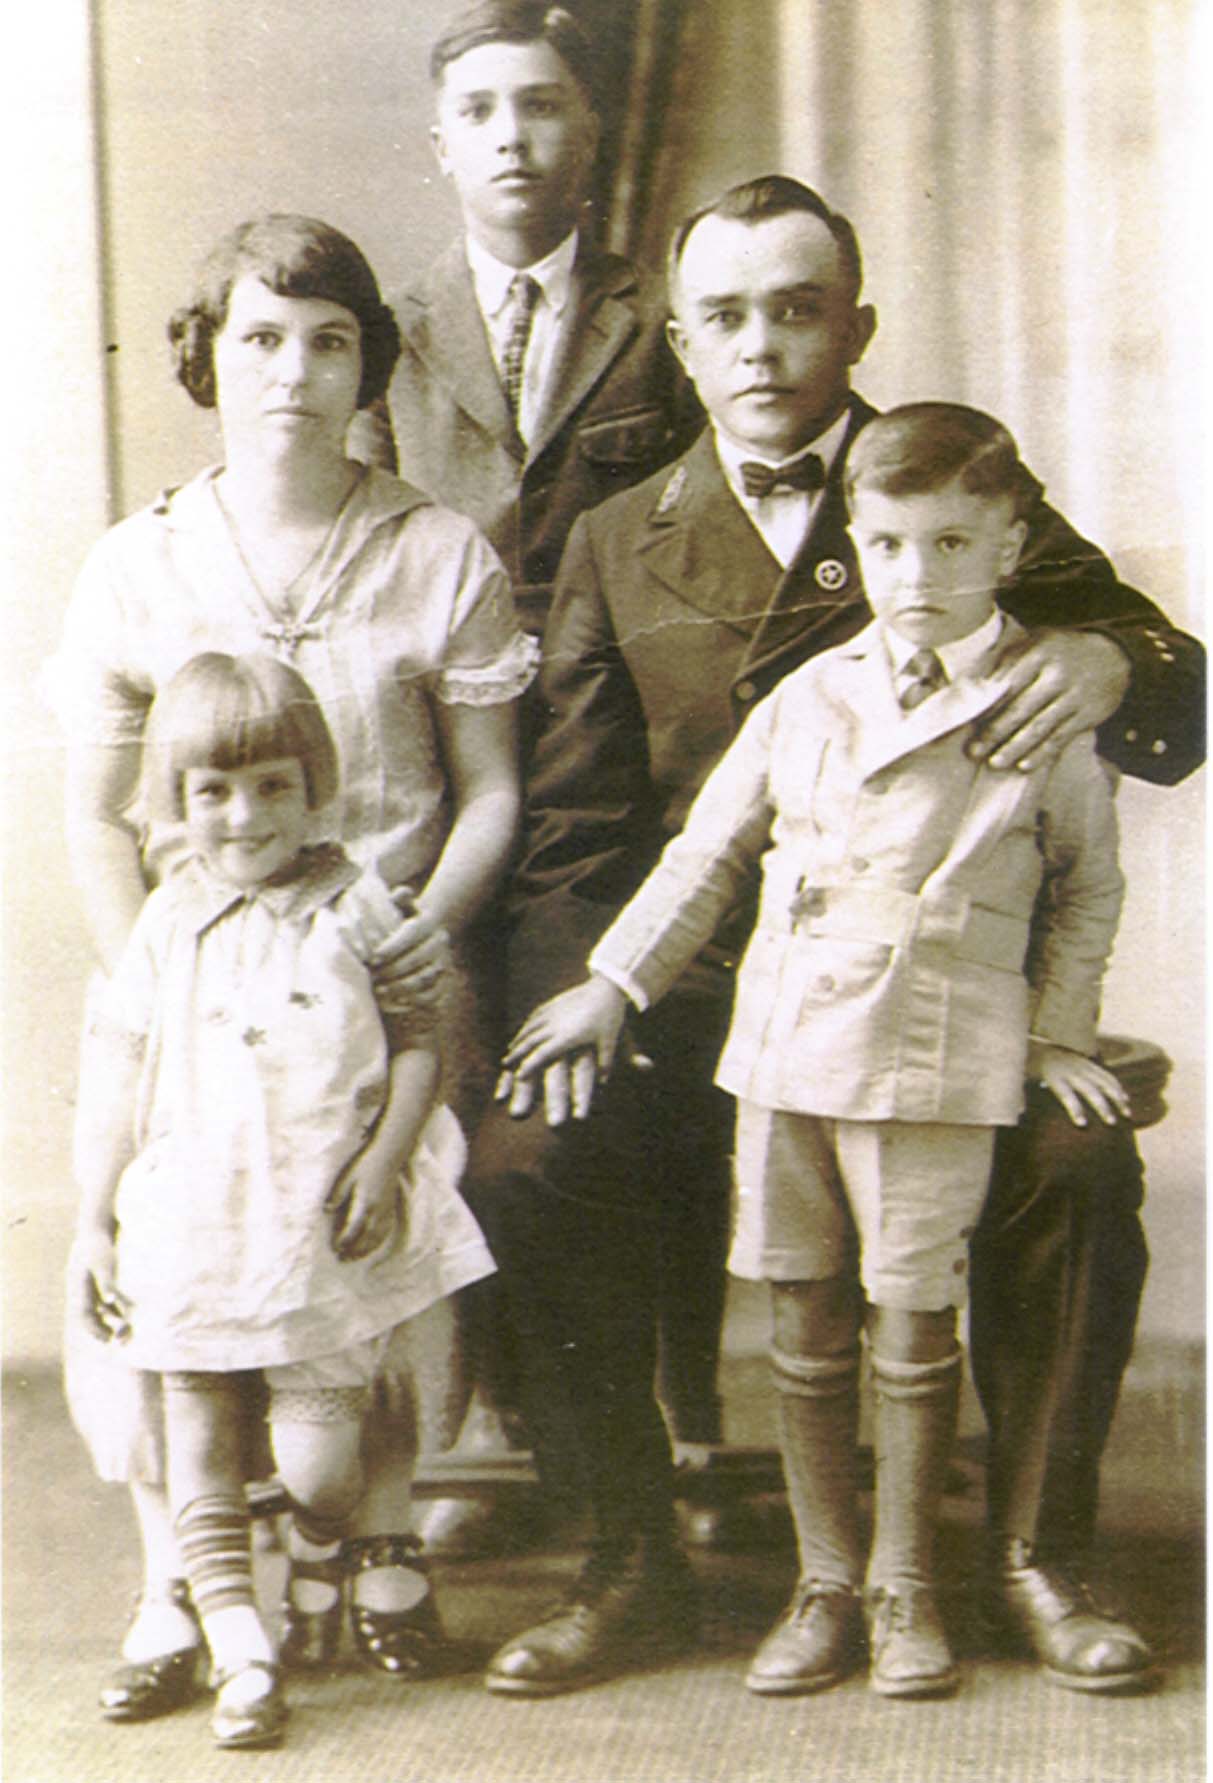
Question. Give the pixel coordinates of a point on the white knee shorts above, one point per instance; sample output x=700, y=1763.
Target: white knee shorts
x=894, y=1201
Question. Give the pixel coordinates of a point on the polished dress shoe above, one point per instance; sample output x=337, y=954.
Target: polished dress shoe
x=310, y=1638
x=617, y=1617
x=815, y=1643
x=1081, y=1642
x=910, y=1655
x=142, y=1689
x=404, y=1644
x=250, y=1708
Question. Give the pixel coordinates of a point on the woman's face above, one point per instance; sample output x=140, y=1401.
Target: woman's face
x=287, y=370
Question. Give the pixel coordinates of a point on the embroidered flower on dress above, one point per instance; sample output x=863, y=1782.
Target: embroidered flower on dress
x=305, y=999
x=254, y=1036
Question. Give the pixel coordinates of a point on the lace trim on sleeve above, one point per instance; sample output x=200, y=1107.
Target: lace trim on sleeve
x=492, y=683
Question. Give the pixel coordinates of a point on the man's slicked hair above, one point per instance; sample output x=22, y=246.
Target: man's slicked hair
x=757, y=200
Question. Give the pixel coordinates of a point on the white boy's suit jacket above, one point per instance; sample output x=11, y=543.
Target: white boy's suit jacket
x=920, y=912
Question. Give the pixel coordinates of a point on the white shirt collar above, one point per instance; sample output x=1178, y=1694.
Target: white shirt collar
x=827, y=446
x=960, y=657
x=492, y=278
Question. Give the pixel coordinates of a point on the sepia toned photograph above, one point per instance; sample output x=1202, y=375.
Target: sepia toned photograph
x=603, y=893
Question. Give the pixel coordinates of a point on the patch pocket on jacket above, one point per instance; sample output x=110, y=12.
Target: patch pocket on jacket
x=636, y=436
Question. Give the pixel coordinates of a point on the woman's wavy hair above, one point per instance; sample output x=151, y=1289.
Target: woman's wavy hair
x=293, y=256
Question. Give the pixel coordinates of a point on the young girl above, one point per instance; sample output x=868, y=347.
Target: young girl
x=246, y=1117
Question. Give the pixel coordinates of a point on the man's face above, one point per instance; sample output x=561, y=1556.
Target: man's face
x=516, y=134
x=766, y=324
x=932, y=562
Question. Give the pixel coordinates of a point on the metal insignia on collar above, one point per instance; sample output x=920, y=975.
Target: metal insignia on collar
x=672, y=490
x=830, y=574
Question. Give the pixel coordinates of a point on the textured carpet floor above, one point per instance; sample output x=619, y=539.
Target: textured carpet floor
x=70, y=1572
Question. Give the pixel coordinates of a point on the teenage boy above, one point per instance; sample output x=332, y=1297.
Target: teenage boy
x=535, y=380
x=678, y=605
x=882, y=1018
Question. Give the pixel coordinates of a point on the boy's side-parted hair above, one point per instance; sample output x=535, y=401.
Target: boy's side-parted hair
x=294, y=256
x=517, y=21
x=230, y=712
x=757, y=200
x=923, y=445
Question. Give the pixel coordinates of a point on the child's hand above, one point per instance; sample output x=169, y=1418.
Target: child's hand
x=572, y=1039
x=1078, y=1083
x=366, y=1206
x=93, y=1297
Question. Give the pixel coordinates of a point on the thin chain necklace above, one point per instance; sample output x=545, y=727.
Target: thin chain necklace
x=293, y=611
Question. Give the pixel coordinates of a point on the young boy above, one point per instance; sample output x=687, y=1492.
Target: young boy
x=930, y=931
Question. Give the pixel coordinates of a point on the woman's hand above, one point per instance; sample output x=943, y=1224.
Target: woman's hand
x=365, y=1203
x=93, y=1297
x=1078, y=1083
x=1058, y=684
x=572, y=1039
x=412, y=968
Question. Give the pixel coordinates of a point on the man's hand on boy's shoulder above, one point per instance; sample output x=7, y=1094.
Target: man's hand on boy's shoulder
x=1058, y=684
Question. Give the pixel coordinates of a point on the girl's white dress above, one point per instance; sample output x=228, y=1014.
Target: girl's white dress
x=408, y=609
x=262, y=1067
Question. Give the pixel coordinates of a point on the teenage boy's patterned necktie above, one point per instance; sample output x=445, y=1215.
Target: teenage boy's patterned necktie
x=920, y=678
x=524, y=294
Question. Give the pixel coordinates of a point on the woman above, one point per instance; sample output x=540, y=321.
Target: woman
x=399, y=615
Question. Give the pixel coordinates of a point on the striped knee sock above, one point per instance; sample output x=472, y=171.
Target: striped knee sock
x=217, y=1555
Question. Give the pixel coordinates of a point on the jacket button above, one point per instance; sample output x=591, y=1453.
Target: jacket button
x=825, y=982
x=1158, y=747
x=745, y=690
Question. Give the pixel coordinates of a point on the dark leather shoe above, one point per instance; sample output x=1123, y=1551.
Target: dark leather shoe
x=910, y=1656
x=815, y=1643
x=1081, y=1642
x=617, y=1617
x=404, y=1644
x=152, y=1687
x=309, y=1639
x=143, y=1689
x=250, y=1708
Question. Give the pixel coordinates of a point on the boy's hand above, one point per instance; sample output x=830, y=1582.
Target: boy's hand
x=411, y=968
x=366, y=1206
x=93, y=1296
x=1059, y=684
x=1078, y=1083
x=572, y=1039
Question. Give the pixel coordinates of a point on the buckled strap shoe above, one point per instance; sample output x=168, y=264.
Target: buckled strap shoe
x=910, y=1656
x=143, y=1689
x=250, y=1707
x=615, y=1619
x=816, y=1642
x=310, y=1638
x=1081, y=1640
x=404, y=1644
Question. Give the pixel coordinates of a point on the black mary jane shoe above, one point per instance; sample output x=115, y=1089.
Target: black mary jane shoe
x=405, y=1644
x=143, y=1689
x=310, y=1638
x=244, y=1722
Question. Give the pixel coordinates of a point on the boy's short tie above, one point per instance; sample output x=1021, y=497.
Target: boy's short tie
x=524, y=294
x=922, y=676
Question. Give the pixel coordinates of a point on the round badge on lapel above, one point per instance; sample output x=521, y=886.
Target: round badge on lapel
x=830, y=574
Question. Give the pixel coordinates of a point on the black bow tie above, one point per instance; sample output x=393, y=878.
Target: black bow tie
x=807, y=473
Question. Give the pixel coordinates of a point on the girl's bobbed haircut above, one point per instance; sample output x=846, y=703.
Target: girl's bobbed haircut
x=923, y=445
x=231, y=712
x=293, y=256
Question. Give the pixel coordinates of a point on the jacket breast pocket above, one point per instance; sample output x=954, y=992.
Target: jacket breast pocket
x=622, y=441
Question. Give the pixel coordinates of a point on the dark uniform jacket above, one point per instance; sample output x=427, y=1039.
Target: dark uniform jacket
x=619, y=407
x=671, y=618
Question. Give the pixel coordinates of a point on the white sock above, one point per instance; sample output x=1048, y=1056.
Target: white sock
x=391, y=1588
x=158, y=1627
x=237, y=1635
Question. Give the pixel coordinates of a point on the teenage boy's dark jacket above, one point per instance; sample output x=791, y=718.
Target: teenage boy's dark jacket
x=671, y=617
x=619, y=408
